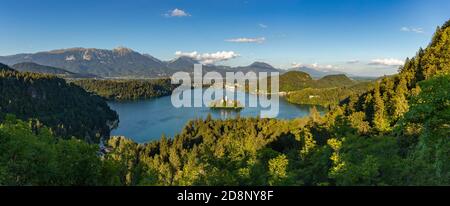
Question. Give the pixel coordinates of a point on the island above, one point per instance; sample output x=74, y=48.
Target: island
x=225, y=103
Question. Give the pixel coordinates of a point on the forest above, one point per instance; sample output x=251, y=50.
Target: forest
x=65, y=108
x=395, y=133
x=300, y=88
x=327, y=96
x=121, y=90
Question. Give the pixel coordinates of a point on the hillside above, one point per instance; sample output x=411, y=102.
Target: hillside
x=296, y=80
x=391, y=94
x=316, y=73
x=338, y=80
x=4, y=67
x=37, y=68
x=327, y=96
x=127, y=89
x=65, y=108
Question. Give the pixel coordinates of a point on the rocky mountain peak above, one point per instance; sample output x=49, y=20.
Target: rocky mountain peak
x=122, y=50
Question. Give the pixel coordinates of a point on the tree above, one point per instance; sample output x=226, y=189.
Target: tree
x=307, y=142
x=33, y=156
x=357, y=121
x=380, y=121
x=430, y=110
x=314, y=114
x=278, y=170
x=400, y=105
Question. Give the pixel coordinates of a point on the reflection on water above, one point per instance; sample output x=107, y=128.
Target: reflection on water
x=147, y=120
x=226, y=113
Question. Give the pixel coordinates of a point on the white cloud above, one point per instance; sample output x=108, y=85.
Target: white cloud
x=327, y=67
x=209, y=58
x=411, y=29
x=70, y=58
x=177, y=13
x=296, y=65
x=387, y=62
x=258, y=40
x=263, y=26
x=353, y=61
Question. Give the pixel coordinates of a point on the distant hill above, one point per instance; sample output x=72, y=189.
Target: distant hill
x=4, y=67
x=315, y=73
x=297, y=80
x=256, y=67
x=37, y=68
x=294, y=80
x=337, y=80
x=187, y=64
x=182, y=64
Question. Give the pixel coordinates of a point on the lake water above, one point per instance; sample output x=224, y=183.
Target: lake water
x=146, y=120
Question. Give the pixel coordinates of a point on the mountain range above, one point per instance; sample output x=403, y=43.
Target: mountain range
x=124, y=62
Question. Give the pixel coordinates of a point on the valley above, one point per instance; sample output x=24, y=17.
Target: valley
x=105, y=117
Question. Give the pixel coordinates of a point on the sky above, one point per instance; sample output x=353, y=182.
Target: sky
x=360, y=37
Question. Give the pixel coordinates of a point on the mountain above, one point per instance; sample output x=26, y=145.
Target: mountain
x=37, y=68
x=107, y=63
x=182, y=63
x=256, y=67
x=315, y=73
x=119, y=62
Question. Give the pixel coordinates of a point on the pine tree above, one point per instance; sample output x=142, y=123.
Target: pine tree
x=314, y=114
x=277, y=169
x=400, y=103
x=380, y=121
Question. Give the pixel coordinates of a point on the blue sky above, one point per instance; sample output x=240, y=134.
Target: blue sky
x=363, y=37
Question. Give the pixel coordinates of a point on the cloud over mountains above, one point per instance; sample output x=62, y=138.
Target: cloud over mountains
x=386, y=62
x=208, y=58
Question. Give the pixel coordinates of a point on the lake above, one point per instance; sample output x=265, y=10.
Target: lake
x=147, y=120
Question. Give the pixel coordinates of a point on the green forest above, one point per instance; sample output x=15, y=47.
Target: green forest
x=395, y=133
x=300, y=88
x=121, y=90
x=327, y=97
x=297, y=80
x=48, y=100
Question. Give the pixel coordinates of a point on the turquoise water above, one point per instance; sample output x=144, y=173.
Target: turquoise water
x=146, y=120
